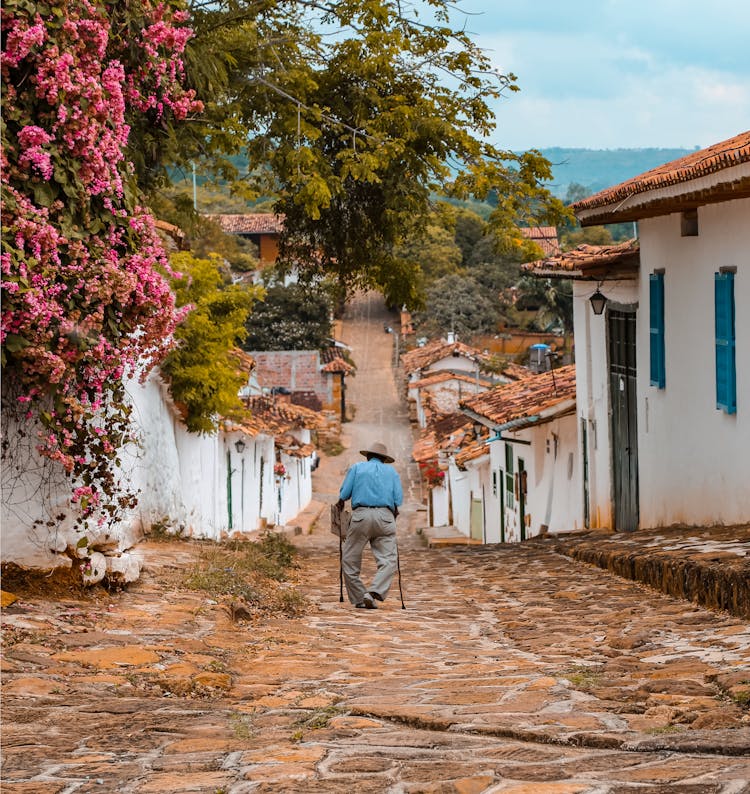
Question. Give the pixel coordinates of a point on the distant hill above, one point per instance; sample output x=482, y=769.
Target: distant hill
x=597, y=169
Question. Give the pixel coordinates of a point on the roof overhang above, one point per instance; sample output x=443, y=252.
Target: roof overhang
x=557, y=411
x=620, y=262
x=728, y=184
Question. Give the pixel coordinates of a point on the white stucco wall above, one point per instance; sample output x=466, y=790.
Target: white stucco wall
x=694, y=459
x=183, y=479
x=461, y=484
x=35, y=494
x=453, y=364
x=440, y=496
x=555, y=488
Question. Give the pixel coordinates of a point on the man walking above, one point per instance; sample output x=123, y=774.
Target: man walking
x=375, y=490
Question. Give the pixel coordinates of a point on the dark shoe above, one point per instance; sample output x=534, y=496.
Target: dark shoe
x=368, y=602
x=376, y=596
x=360, y=605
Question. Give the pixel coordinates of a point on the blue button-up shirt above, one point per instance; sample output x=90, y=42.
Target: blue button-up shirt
x=372, y=483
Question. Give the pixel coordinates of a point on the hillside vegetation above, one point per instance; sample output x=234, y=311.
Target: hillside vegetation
x=597, y=169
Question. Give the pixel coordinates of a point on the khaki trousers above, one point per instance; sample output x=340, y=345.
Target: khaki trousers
x=376, y=526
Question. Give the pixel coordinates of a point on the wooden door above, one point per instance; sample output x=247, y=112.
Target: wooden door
x=622, y=389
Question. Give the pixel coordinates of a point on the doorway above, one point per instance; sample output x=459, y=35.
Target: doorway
x=622, y=390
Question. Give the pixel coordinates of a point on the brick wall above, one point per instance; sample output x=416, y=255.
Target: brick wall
x=296, y=370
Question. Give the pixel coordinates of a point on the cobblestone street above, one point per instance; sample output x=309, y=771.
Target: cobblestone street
x=512, y=669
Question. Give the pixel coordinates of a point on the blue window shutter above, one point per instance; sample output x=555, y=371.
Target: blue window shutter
x=726, y=374
x=656, y=325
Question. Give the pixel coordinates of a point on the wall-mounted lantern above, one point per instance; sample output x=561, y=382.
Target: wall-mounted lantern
x=598, y=302
x=239, y=445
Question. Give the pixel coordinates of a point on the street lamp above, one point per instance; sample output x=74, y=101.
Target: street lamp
x=598, y=302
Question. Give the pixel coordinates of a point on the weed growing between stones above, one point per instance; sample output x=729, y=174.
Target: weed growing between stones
x=250, y=575
x=583, y=677
x=316, y=720
x=240, y=724
x=332, y=448
x=165, y=530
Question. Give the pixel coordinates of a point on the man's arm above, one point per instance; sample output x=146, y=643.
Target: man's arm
x=346, y=488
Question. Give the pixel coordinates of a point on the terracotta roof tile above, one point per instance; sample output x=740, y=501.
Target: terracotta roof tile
x=245, y=361
x=291, y=446
x=337, y=365
x=587, y=261
x=431, y=378
x=526, y=398
x=275, y=418
x=679, y=174
x=472, y=449
x=544, y=236
x=250, y=223
x=445, y=433
x=437, y=349
x=516, y=371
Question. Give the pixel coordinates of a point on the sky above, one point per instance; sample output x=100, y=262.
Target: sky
x=609, y=74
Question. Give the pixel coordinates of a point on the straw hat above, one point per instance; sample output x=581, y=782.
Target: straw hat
x=378, y=449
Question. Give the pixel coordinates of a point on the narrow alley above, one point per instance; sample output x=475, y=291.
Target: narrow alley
x=512, y=669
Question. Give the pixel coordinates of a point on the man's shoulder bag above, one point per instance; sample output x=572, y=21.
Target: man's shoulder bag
x=340, y=519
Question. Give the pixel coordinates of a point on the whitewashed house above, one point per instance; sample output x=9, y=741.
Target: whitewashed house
x=663, y=363
x=441, y=392
x=525, y=478
x=433, y=452
x=438, y=373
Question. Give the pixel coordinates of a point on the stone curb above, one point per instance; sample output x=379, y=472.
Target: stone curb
x=713, y=582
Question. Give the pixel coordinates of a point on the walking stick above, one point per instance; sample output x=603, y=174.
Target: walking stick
x=398, y=565
x=341, y=572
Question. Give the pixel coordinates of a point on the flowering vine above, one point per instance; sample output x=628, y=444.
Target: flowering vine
x=432, y=474
x=86, y=300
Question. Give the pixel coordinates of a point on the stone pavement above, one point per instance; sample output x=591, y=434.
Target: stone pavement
x=512, y=669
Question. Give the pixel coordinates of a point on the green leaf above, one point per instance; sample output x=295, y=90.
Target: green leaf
x=15, y=343
x=44, y=194
x=82, y=542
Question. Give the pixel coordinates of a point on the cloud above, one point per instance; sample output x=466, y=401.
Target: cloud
x=623, y=85
x=618, y=73
x=676, y=108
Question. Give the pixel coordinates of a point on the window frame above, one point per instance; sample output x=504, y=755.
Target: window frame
x=657, y=349
x=725, y=341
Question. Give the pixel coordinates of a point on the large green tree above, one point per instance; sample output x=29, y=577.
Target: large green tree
x=355, y=112
x=293, y=317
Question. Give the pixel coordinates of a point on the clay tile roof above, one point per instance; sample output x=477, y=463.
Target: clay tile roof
x=589, y=261
x=267, y=415
x=526, y=398
x=250, y=223
x=688, y=182
x=244, y=360
x=443, y=375
x=425, y=448
x=445, y=425
x=472, y=449
x=433, y=351
x=445, y=432
x=544, y=236
x=337, y=365
x=293, y=447
x=516, y=371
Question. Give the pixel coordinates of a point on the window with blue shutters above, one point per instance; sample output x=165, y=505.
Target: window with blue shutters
x=656, y=323
x=726, y=373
